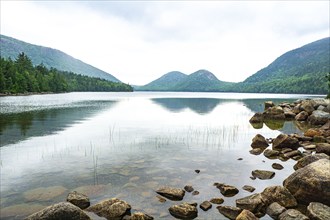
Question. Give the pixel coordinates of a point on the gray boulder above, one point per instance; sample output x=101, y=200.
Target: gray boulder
x=78, y=199
x=292, y=214
x=184, y=211
x=274, y=210
x=311, y=183
x=318, y=211
x=62, y=210
x=319, y=117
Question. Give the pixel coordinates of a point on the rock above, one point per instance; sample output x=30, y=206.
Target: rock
x=197, y=171
x=78, y=199
x=274, y=113
x=309, y=159
x=289, y=114
x=206, y=205
x=271, y=153
x=229, y=211
x=277, y=166
x=217, y=200
x=227, y=190
x=292, y=153
x=171, y=193
x=323, y=148
x=110, y=208
x=246, y=215
x=310, y=147
x=19, y=210
x=302, y=116
x=253, y=203
x=184, y=211
x=263, y=174
x=62, y=210
x=140, y=216
x=274, y=210
x=311, y=183
x=161, y=199
x=189, y=188
x=292, y=214
x=313, y=132
x=256, y=151
x=268, y=104
x=307, y=106
x=318, y=117
x=259, y=141
x=320, y=102
x=195, y=193
x=257, y=118
x=280, y=195
x=44, y=193
x=318, y=211
x=92, y=190
x=249, y=188
x=285, y=141
x=319, y=139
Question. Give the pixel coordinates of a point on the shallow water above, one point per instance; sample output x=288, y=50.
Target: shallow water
x=126, y=145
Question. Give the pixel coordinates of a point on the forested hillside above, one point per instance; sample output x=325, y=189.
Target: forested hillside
x=20, y=76
x=50, y=58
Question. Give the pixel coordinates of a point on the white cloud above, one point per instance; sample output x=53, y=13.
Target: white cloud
x=139, y=41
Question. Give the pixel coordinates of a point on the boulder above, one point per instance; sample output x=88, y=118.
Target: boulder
x=292, y=214
x=230, y=212
x=274, y=113
x=285, y=141
x=184, y=211
x=319, y=117
x=263, y=174
x=227, y=190
x=323, y=148
x=217, y=200
x=256, y=151
x=293, y=153
x=274, y=210
x=206, y=205
x=280, y=195
x=189, y=188
x=246, y=215
x=62, y=210
x=318, y=211
x=309, y=159
x=311, y=183
x=311, y=132
x=277, y=166
x=171, y=193
x=78, y=199
x=110, y=208
x=302, y=116
x=249, y=188
x=307, y=106
x=271, y=153
x=253, y=203
x=257, y=118
x=259, y=141
x=268, y=104
x=140, y=216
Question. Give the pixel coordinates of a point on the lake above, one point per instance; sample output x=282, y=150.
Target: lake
x=127, y=145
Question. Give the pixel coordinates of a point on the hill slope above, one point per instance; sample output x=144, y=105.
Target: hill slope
x=301, y=70
x=199, y=81
x=11, y=47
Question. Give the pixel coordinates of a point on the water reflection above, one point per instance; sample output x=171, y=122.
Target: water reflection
x=19, y=126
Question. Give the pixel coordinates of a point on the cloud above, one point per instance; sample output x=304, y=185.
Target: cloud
x=140, y=41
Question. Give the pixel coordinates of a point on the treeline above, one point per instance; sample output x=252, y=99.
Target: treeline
x=20, y=76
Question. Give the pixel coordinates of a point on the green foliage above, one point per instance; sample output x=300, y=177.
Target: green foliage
x=20, y=76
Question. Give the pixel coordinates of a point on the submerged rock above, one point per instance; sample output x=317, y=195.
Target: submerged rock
x=62, y=210
x=230, y=212
x=184, y=211
x=110, y=208
x=78, y=199
x=318, y=211
x=263, y=174
x=19, y=210
x=44, y=193
x=171, y=193
x=311, y=183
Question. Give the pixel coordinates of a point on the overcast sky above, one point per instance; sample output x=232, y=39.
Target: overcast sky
x=138, y=42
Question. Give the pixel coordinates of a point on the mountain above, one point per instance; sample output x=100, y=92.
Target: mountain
x=51, y=58
x=199, y=81
x=302, y=70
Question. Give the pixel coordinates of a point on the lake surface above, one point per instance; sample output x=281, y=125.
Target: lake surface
x=127, y=145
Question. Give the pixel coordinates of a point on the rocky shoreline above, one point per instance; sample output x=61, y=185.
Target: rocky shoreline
x=305, y=194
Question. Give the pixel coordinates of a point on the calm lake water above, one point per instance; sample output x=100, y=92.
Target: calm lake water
x=126, y=145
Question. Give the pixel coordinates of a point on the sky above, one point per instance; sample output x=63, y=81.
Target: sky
x=139, y=41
